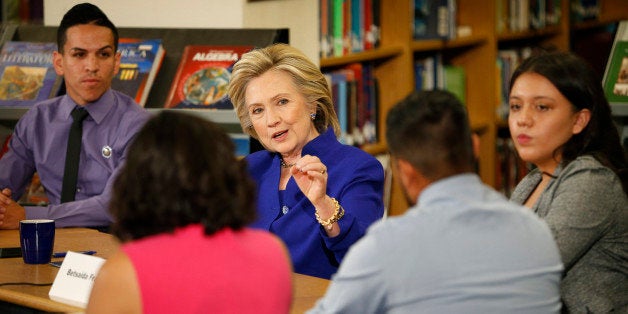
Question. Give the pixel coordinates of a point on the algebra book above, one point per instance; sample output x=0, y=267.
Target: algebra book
x=203, y=75
x=27, y=75
x=140, y=60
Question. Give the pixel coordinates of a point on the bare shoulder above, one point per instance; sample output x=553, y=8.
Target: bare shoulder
x=115, y=289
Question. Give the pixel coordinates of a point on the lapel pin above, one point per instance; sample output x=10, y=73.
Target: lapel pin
x=106, y=151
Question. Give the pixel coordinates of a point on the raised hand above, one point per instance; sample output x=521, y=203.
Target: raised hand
x=310, y=174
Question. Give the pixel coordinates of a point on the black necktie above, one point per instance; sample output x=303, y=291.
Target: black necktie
x=70, y=173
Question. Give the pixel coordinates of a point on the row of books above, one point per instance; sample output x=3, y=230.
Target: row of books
x=355, y=96
x=434, y=19
x=523, y=15
x=583, y=10
x=348, y=26
x=432, y=73
x=201, y=81
x=28, y=76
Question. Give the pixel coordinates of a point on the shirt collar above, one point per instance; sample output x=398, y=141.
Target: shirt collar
x=97, y=110
x=459, y=185
x=320, y=143
x=317, y=146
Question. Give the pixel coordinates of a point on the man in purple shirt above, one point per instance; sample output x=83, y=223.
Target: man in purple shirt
x=88, y=60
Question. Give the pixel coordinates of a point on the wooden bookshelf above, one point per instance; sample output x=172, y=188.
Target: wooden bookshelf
x=476, y=53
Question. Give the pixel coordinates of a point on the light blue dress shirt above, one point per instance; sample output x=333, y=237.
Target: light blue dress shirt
x=463, y=249
x=39, y=142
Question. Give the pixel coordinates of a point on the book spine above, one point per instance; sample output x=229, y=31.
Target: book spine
x=357, y=24
x=369, y=40
x=325, y=49
x=338, y=27
x=171, y=102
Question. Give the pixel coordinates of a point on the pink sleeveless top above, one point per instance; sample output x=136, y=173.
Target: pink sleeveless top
x=228, y=272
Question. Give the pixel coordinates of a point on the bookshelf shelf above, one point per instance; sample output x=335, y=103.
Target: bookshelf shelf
x=369, y=55
x=436, y=44
x=480, y=127
x=375, y=149
x=588, y=25
x=12, y=113
x=531, y=34
x=226, y=118
x=619, y=110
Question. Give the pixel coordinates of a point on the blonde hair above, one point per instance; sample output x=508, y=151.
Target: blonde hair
x=305, y=75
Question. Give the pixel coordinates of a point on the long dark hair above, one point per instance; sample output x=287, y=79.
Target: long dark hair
x=578, y=82
x=181, y=170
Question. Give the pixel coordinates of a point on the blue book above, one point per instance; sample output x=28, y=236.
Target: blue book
x=140, y=60
x=434, y=19
x=419, y=75
x=357, y=25
x=242, y=144
x=369, y=128
x=27, y=75
x=339, y=93
x=338, y=23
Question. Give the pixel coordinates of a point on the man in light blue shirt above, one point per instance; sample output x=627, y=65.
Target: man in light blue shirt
x=462, y=247
x=87, y=58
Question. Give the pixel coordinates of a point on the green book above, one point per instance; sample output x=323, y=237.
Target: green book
x=616, y=74
x=338, y=27
x=455, y=81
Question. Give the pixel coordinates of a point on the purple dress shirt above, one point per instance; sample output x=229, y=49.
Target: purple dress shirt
x=38, y=144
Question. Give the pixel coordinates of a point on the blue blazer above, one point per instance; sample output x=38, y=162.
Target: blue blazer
x=355, y=179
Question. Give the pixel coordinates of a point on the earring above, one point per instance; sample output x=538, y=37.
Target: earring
x=313, y=116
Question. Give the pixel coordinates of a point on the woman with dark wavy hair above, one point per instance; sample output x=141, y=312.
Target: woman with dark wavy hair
x=181, y=205
x=560, y=121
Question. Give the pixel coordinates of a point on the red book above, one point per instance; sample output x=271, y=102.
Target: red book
x=369, y=40
x=203, y=75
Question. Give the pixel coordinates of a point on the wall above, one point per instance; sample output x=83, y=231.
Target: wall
x=157, y=13
x=300, y=16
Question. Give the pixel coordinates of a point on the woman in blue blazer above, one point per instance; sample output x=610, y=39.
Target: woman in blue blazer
x=318, y=195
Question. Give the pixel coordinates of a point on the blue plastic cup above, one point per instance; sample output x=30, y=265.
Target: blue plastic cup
x=37, y=238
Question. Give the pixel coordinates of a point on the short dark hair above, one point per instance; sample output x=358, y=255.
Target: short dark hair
x=181, y=170
x=84, y=13
x=577, y=81
x=430, y=130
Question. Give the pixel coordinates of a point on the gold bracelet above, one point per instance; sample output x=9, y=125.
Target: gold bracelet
x=338, y=213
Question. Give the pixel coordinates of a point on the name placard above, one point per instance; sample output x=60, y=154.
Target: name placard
x=75, y=279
